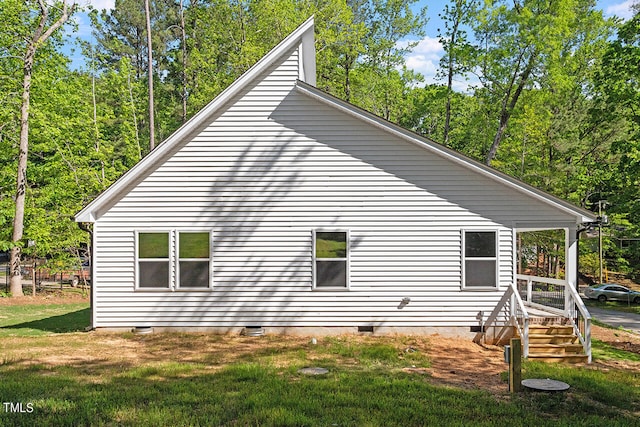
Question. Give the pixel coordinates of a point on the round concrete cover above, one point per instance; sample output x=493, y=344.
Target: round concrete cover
x=313, y=371
x=545, y=385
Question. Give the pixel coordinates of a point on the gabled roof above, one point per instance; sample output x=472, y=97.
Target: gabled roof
x=303, y=37
x=441, y=150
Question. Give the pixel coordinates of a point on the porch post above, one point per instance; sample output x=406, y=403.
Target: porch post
x=571, y=260
x=571, y=256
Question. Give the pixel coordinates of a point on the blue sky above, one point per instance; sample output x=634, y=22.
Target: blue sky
x=425, y=56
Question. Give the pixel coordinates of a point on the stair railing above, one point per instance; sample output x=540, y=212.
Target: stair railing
x=509, y=312
x=580, y=318
x=557, y=296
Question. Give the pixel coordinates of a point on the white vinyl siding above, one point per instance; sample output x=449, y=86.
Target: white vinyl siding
x=274, y=165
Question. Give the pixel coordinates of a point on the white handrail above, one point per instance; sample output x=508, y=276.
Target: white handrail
x=571, y=301
x=525, y=323
x=509, y=297
x=586, y=338
x=549, y=280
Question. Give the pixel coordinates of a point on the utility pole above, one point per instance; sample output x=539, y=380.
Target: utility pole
x=602, y=204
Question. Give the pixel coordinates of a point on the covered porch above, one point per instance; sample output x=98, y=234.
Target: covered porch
x=547, y=313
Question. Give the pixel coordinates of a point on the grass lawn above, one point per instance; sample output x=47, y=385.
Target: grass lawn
x=614, y=305
x=75, y=378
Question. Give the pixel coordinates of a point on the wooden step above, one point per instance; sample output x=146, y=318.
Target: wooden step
x=551, y=329
x=552, y=339
x=555, y=343
x=559, y=358
x=555, y=349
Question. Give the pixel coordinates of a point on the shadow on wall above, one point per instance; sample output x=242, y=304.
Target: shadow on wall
x=451, y=183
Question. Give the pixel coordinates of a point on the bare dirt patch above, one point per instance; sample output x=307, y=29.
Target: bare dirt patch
x=458, y=362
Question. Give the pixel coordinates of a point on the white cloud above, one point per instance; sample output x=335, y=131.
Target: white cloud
x=98, y=4
x=424, y=57
x=622, y=10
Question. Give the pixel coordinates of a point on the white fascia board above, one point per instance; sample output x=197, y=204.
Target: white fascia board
x=581, y=215
x=303, y=36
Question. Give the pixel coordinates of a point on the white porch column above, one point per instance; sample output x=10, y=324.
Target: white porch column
x=571, y=265
x=571, y=256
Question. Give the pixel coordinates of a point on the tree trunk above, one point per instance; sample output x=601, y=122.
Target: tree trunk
x=21, y=187
x=502, y=127
x=152, y=136
x=39, y=37
x=450, y=72
x=185, y=91
x=509, y=104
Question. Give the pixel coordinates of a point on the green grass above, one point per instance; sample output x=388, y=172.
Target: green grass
x=199, y=379
x=614, y=305
x=38, y=320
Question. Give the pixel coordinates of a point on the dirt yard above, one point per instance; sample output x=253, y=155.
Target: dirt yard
x=480, y=366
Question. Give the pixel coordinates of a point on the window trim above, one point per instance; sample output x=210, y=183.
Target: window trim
x=173, y=260
x=314, y=259
x=496, y=259
x=138, y=259
x=179, y=259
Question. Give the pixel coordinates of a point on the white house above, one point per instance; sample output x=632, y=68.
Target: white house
x=281, y=206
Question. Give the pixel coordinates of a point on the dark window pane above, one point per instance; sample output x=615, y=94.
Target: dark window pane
x=194, y=274
x=154, y=274
x=331, y=273
x=480, y=244
x=153, y=245
x=194, y=245
x=331, y=245
x=480, y=273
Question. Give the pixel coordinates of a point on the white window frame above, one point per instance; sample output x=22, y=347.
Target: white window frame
x=138, y=260
x=495, y=258
x=173, y=260
x=178, y=260
x=347, y=259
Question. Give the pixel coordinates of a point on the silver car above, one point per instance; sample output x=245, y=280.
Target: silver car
x=613, y=292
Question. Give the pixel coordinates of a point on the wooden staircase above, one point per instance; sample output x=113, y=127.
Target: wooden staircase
x=555, y=343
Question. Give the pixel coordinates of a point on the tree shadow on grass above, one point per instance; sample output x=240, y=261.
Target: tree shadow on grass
x=75, y=321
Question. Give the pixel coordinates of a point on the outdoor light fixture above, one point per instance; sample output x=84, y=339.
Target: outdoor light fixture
x=405, y=301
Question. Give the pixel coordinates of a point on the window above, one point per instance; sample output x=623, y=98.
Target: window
x=174, y=259
x=194, y=259
x=330, y=253
x=480, y=259
x=153, y=260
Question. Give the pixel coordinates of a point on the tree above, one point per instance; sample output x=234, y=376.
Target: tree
x=516, y=42
x=43, y=30
x=618, y=101
x=389, y=22
x=457, y=49
x=152, y=137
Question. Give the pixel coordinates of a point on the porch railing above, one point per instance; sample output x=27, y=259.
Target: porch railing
x=557, y=297
x=509, y=312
